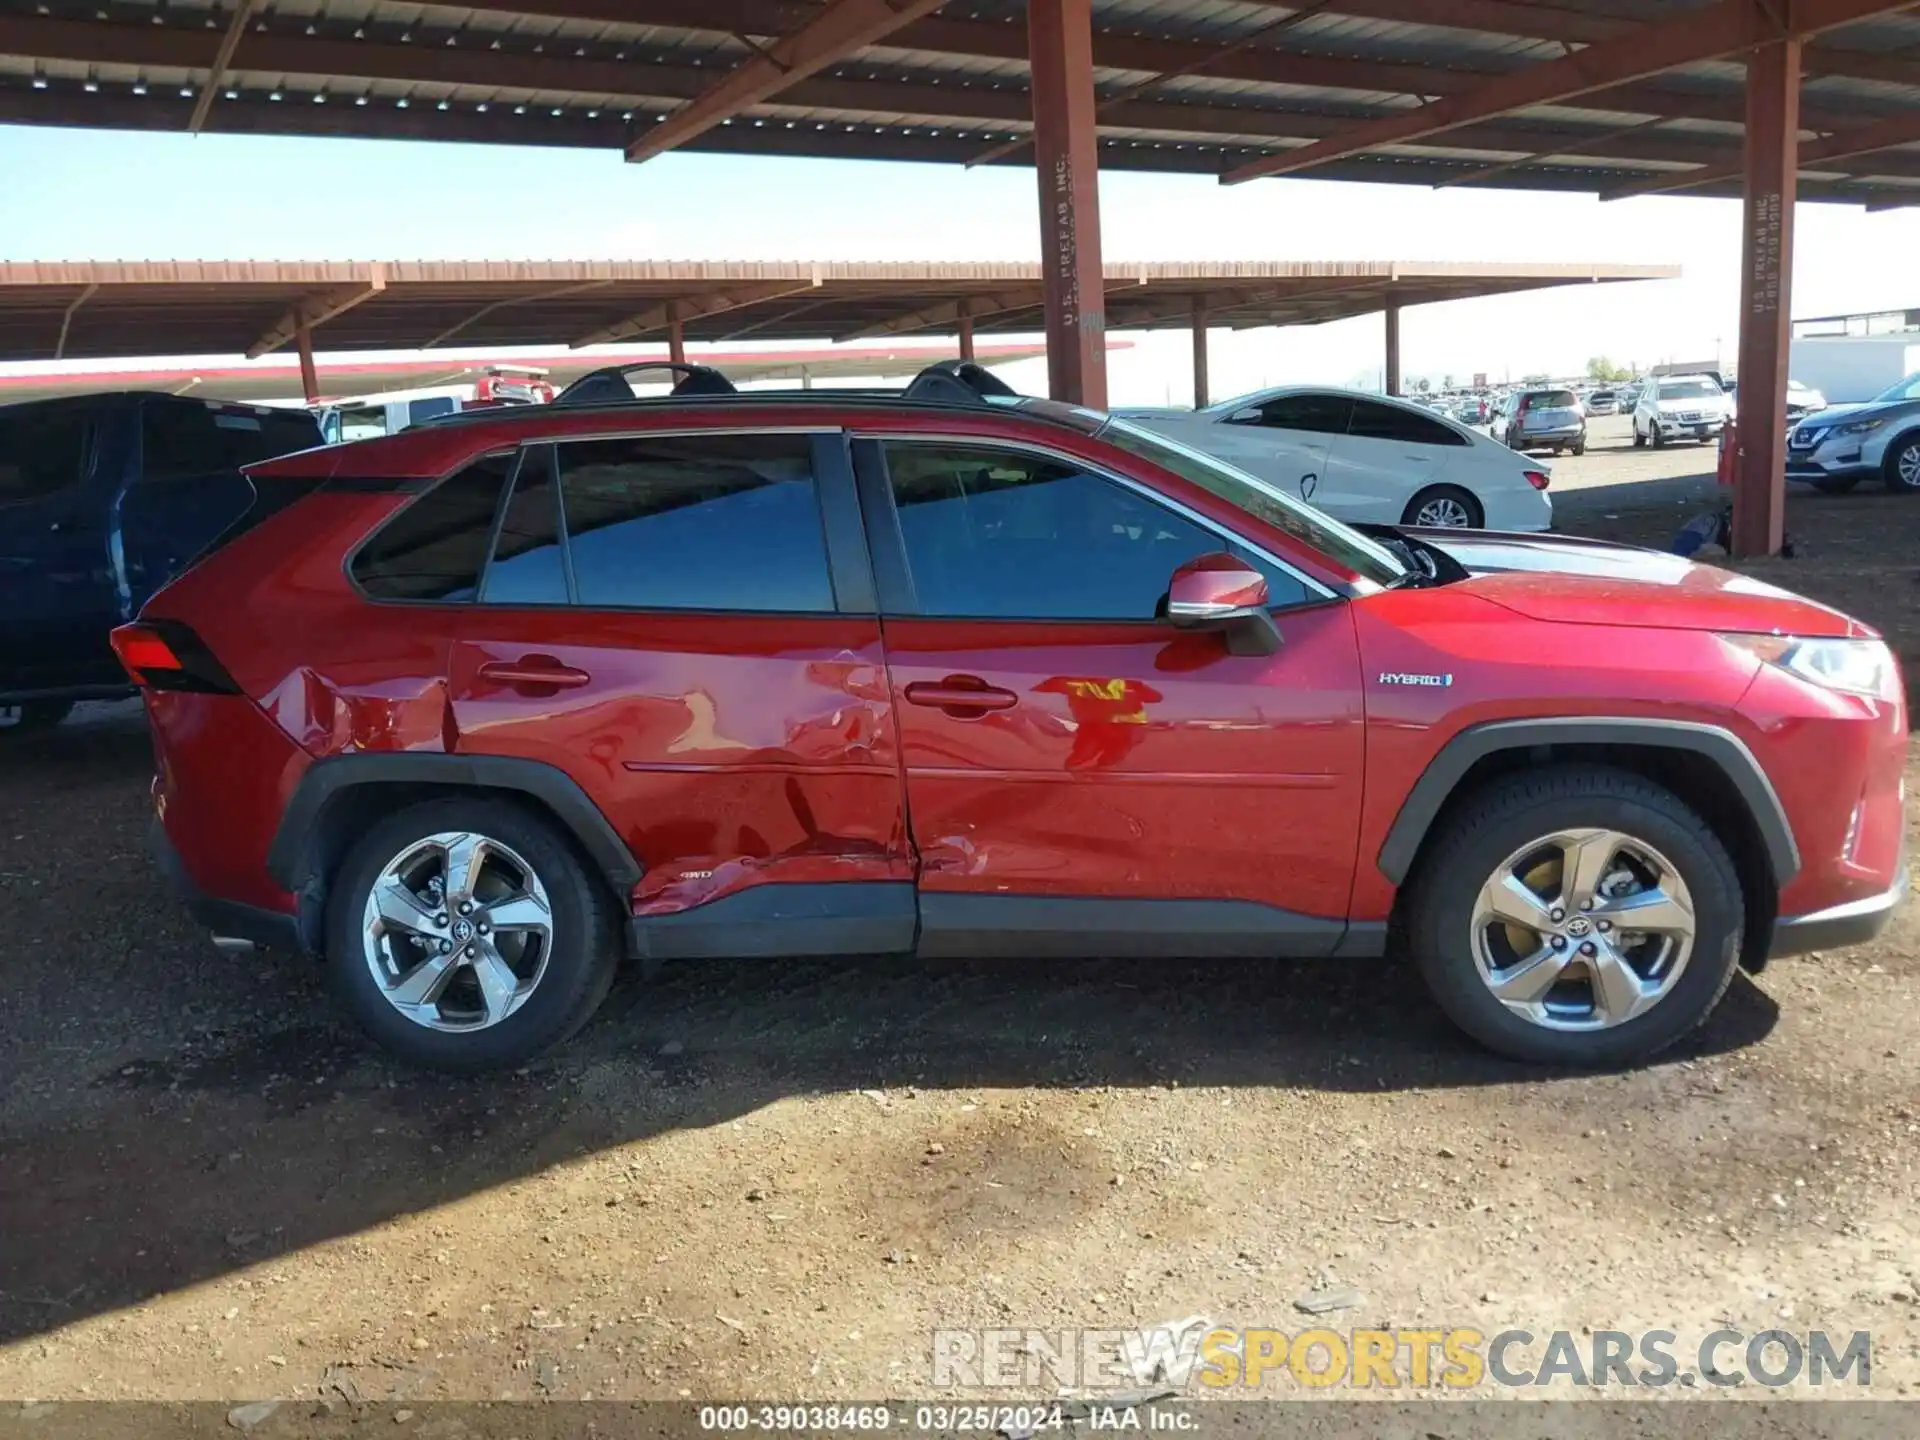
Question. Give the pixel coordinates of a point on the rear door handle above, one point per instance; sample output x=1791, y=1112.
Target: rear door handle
x=534, y=672
x=961, y=695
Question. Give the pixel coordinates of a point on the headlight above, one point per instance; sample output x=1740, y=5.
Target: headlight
x=1854, y=667
x=1859, y=427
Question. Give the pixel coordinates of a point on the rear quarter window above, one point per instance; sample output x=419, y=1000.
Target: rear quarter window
x=436, y=548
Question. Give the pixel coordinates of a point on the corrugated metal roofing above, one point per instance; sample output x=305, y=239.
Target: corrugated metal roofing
x=1194, y=85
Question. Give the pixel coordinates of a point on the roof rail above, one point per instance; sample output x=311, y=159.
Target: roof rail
x=610, y=386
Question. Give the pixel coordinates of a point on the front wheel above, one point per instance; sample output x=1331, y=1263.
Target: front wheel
x=1445, y=506
x=1903, y=465
x=1639, y=440
x=1577, y=916
x=468, y=934
x=1659, y=440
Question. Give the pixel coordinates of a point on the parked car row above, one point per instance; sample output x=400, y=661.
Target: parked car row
x=486, y=708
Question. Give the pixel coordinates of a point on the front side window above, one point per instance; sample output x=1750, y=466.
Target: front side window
x=1317, y=414
x=41, y=452
x=695, y=522
x=1316, y=529
x=999, y=534
x=436, y=548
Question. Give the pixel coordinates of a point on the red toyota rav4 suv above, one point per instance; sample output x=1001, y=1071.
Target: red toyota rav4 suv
x=508, y=697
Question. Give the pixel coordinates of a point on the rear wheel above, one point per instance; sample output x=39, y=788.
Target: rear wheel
x=1444, y=506
x=468, y=934
x=1903, y=465
x=1577, y=916
x=1579, y=447
x=30, y=717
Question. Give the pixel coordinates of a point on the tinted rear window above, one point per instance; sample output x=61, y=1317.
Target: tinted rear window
x=41, y=451
x=706, y=522
x=436, y=548
x=1551, y=400
x=180, y=442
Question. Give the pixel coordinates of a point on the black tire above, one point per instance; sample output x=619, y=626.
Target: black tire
x=1903, y=454
x=1657, y=436
x=1580, y=448
x=586, y=940
x=1836, y=484
x=1476, y=512
x=1494, y=824
x=32, y=717
x=1639, y=440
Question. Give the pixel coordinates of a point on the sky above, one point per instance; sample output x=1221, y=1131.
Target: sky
x=92, y=195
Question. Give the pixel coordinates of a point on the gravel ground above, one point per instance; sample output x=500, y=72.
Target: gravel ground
x=775, y=1181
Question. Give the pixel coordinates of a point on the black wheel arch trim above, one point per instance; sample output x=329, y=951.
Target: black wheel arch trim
x=1460, y=754
x=290, y=858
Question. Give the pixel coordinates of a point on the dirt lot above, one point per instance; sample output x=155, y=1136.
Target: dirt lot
x=775, y=1181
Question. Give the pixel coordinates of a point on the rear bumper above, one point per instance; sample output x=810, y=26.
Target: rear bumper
x=227, y=919
x=1853, y=923
x=1553, y=437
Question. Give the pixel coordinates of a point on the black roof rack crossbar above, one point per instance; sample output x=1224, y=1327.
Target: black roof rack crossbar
x=611, y=386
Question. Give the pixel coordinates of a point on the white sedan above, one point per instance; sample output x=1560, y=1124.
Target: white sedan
x=1367, y=457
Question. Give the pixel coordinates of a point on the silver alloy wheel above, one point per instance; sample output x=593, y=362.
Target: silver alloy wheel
x=457, y=931
x=1443, y=510
x=1908, y=465
x=1583, y=930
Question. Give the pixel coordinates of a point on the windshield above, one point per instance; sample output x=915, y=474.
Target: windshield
x=1365, y=558
x=1690, y=390
x=1907, y=389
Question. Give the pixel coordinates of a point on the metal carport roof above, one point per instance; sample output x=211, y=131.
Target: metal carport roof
x=77, y=310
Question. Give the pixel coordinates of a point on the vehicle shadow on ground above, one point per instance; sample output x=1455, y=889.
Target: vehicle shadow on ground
x=182, y=1115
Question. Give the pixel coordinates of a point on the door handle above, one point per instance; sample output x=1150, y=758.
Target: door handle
x=961, y=696
x=534, y=672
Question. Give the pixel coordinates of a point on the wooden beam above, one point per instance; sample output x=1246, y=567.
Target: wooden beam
x=1843, y=145
x=316, y=310
x=1726, y=27
x=1766, y=299
x=1391, y=374
x=841, y=28
x=678, y=312
x=963, y=331
x=222, y=59
x=1200, y=352
x=66, y=319
x=485, y=310
x=309, y=372
x=676, y=336
x=977, y=307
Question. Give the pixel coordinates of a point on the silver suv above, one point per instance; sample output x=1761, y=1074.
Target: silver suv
x=1550, y=419
x=1836, y=448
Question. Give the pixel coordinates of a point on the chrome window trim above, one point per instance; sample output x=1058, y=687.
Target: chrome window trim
x=1316, y=590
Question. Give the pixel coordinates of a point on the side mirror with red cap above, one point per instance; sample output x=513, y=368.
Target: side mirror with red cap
x=1223, y=592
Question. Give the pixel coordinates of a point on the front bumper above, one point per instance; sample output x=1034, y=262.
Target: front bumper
x=1809, y=468
x=1696, y=429
x=1853, y=923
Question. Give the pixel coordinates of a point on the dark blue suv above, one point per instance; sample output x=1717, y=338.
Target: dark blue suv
x=103, y=499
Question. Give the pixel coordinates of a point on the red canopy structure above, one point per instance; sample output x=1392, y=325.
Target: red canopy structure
x=1772, y=100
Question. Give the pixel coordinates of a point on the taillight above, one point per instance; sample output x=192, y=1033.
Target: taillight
x=1538, y=479
x=167, y=655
